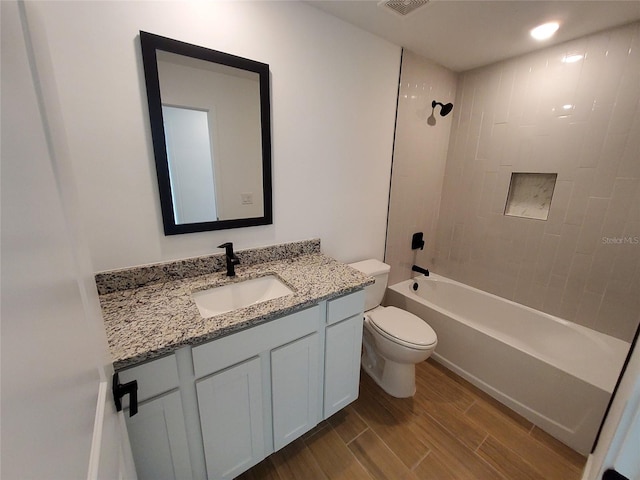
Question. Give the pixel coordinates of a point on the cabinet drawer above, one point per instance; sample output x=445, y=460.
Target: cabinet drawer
x=345, y=307
x=154, y=377
x=235, y=348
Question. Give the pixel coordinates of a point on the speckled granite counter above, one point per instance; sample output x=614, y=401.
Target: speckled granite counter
x=157, y=318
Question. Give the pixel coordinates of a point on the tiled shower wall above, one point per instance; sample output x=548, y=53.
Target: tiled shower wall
x=420, y=154
x=580, y=120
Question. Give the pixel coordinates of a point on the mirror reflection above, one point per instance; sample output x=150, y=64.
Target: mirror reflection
x=209, y=114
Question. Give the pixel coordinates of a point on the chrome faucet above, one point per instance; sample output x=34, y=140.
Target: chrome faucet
x=232, y=260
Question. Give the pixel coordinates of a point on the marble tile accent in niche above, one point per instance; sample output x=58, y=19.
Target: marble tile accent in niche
x=530, y=195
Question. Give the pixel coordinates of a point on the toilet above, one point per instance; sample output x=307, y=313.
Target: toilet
x=394, y=340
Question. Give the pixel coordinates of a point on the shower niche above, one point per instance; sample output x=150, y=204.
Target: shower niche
x=530, y=195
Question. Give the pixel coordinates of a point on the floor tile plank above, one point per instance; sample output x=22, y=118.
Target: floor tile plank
x=449, y=449
x=405, y=444
x=478, y=394
x=440, y=388
x=335, y=459
x=432, y=467
x=505, y=430
x=450, y=417
x=377, y=458
x=436, y=467
x=573, y=457
x=265, y=470
x=295, y=461
x=507, y=462
x=449, y=430
x=347, y=424
x=391, y=428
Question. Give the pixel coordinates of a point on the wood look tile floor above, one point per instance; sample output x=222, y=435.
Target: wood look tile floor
x=449, y=430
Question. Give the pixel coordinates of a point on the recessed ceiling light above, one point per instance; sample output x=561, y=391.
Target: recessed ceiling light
x=545, y=31
x=572, y=58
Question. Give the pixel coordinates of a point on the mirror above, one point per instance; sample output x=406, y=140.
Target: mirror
x=211, y=130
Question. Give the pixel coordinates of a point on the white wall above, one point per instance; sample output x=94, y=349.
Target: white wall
x=419, y=161
x=580, y=120
x=333, y=106
x=53, y=344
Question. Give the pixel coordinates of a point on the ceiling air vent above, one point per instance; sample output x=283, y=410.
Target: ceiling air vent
x=403, y=7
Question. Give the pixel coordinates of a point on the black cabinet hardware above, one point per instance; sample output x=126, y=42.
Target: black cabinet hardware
x=122, y=389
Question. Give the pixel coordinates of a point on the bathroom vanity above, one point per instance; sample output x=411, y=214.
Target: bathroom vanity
x=217, y=395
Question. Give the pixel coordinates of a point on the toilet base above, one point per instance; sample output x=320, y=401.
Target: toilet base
x=397, y=379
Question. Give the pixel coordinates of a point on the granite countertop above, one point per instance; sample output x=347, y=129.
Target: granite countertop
x=156, y=319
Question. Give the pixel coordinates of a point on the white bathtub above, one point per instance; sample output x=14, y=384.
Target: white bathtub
x=557, y=374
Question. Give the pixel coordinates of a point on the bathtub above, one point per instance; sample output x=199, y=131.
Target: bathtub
x=557, y=374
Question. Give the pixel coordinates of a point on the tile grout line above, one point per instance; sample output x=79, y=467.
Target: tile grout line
x=475, y=400
x=421, y=460
x=484, y=460
x=355, y=457
x=481, y=443
x=359, y=435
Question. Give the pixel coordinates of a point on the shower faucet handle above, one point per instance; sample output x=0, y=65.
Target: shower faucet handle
x=417, y=242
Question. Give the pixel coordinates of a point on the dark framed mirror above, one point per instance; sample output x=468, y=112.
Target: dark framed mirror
x=210, y=117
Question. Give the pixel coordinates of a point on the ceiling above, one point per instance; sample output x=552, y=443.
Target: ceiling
x=465, y=34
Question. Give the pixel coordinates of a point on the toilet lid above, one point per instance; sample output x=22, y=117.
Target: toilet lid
x=403, y=326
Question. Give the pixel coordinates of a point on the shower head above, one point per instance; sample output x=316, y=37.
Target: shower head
x=444, y=109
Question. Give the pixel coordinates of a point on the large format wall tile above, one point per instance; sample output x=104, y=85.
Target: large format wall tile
x=538, y=114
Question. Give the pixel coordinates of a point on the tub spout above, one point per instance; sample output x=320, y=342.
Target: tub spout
x=418, y=269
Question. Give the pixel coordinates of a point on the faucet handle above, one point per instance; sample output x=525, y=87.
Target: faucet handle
x=228, y=249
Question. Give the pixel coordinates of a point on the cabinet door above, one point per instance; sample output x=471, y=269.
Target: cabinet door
x=230, y=405
x=294, y=386
x=343, y=346
x=159, y=440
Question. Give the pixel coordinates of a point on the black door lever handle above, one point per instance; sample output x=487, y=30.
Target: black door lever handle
x=122, y=389
x=611, y=474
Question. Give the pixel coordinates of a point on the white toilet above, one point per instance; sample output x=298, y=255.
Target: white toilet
x=394, y=339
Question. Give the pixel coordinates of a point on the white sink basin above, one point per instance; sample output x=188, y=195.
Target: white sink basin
x=217, y=300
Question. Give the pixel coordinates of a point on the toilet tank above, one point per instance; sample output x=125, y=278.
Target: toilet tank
x=379, y=271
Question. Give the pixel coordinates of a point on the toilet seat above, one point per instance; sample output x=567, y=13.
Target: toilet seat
x=403, y=328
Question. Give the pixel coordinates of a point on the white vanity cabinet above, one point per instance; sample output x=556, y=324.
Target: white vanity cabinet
x=257, y=390
x=231, y=414
x=157, y=433
x=295, y=383
x=245, y=395
x=343, y=350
